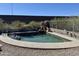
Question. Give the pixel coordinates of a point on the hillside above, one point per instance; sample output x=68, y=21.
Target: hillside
x=10, y=18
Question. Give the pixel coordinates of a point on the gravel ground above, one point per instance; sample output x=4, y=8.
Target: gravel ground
x=9, y=50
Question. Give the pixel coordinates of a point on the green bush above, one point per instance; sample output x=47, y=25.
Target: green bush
x=17, y=24
x=71, y=24
x=2, y=26
x=34, y=24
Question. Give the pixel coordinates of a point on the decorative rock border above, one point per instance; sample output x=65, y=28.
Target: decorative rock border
x=73, y=43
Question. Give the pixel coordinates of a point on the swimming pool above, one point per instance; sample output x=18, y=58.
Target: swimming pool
x=43, y=41
x=43, y=38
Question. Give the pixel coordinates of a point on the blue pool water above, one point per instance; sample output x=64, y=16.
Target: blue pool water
x=43, y=38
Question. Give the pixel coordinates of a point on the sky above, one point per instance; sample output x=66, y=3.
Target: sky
x=40, y=9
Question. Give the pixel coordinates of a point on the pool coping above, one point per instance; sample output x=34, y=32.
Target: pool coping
x=73, y=43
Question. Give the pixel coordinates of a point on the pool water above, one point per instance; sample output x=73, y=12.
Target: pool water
x=45, y=38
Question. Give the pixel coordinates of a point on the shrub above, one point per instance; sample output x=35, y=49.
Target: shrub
x=17, y=24
x=34, y=25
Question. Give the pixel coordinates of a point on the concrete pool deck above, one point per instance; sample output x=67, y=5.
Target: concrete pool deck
x=73, y=43
x=64, y=36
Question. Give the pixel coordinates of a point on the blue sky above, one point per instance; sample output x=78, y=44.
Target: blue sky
x=40, y=9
